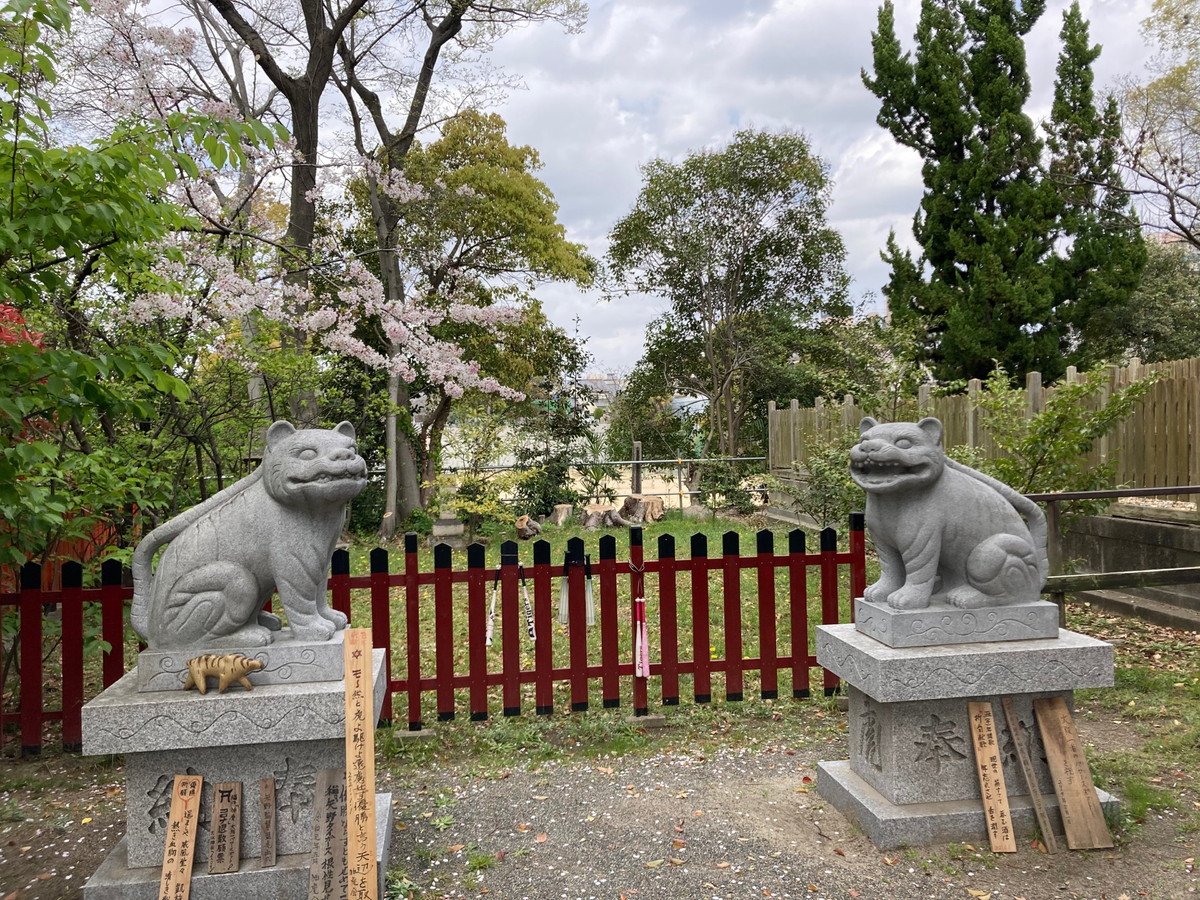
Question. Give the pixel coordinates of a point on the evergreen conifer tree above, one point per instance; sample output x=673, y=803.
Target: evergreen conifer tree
x=1015, y=265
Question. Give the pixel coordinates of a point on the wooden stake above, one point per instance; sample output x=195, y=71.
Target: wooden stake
x=360, y=767
x=328, y=877
x=225, y=844
x=1025, y=764
x=991, y=778
x=266, y=823
x=180, y=849
x=1083, y=820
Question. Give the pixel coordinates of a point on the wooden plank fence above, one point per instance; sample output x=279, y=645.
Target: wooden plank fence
x=1157, y=446
x=434, y=626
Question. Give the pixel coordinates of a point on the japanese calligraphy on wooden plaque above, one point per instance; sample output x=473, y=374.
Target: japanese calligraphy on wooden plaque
x=266, y=823
x=1083, y=820
x=328, y=876
x=225, y=844
x=180, y=849
x=990, y=768
x=360, y=767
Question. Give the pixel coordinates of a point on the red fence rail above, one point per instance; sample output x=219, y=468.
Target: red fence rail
x=434, y=624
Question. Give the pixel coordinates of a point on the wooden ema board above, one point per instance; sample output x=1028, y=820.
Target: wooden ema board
x=328, y=877
x=225, y=843
x=360, y=767
x=991, y=778
x=180, y=849
x=266, y=823
x=1083, y=820
x=1025, y=764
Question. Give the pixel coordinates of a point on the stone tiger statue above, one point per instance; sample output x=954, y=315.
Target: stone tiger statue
x=273, y=530
x=943, y=531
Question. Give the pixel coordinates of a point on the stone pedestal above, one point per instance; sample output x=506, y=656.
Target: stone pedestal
x=449, y=530
x=911, y=777
x=285, y=731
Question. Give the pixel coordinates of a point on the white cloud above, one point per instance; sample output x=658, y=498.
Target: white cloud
x=663, y=78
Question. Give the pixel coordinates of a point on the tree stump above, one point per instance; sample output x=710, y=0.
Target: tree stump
x=639, y=508
x=562, y=512
x=593, y=515
x=527, y=528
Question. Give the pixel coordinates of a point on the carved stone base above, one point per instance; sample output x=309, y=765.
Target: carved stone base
x=117, y=880
x=287, y=732
x=285, y=661
x=940, y=623
x=911, y=777
x=889, y=825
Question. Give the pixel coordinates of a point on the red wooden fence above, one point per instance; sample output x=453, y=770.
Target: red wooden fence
x=457, y=666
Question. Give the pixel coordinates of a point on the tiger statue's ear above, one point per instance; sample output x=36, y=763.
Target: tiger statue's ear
x=866, y=425
x=278, y=431
x=345, y=429
x=931, y=427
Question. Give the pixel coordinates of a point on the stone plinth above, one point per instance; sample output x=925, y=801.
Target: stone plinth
x=892, y=675
x=287, y=732
x=449, y=530
x=911, y=777
x=941, y=623
x=285, y=661
x=117, y=880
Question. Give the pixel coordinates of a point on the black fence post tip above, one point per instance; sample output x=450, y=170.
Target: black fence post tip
x=828, y=540
x=410, y=542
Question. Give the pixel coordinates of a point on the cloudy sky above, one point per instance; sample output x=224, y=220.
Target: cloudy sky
x=661, y=78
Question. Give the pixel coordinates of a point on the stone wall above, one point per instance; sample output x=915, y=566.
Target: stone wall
x=1114, y=544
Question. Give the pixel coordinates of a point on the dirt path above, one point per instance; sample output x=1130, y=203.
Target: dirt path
x=682, y=823
x=737, y=824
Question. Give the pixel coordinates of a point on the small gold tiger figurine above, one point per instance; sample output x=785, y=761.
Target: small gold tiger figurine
x=228, y=669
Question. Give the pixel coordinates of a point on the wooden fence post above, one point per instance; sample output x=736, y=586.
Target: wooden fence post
x=974, y=387
x=477, y=626
x=702, y=678
x=637, y=589
x=30, y=637
x=543, y=650
x=829, y=595
x=609, y=619
x=443, y=630
x=1034, y=394
x=767, y=640
x=798, y=610
x=668, y=614
x=381, y=619
x=412, y=629
x=731, y=584
x=72, y=657
x=112, y=621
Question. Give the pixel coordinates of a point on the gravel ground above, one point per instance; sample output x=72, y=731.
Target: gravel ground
x=737, y=823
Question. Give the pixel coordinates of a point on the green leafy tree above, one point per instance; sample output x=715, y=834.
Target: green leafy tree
x=79, y=229
x=736, y=239
x=475, y=230
x=1015, y=265
x=1163, y=322
x=1047, y=452
x=1162, y=121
